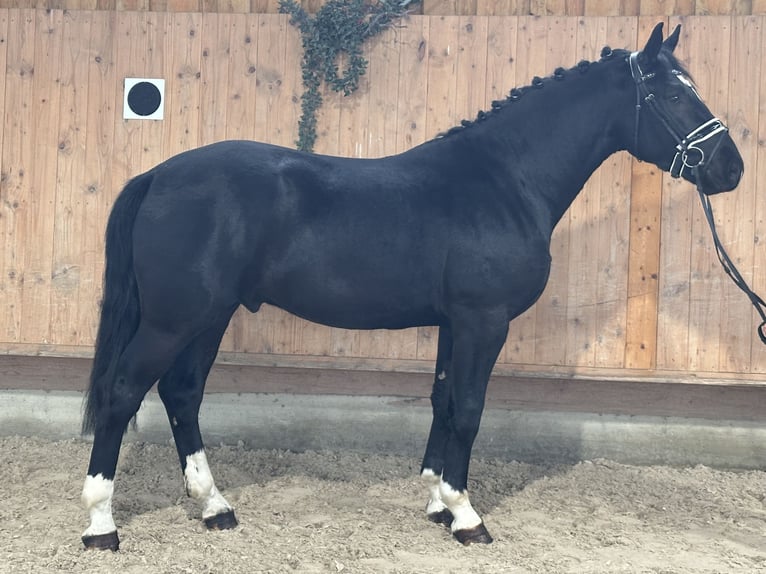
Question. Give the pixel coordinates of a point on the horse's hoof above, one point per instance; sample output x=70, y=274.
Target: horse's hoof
x=476, y=535
x=223, y=521
x=108, y=541
x=442, y=517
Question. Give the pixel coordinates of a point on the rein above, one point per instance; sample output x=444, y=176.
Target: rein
x=684, y=145
x=731, y=269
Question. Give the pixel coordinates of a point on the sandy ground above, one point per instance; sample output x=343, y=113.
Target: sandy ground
x=346, y=512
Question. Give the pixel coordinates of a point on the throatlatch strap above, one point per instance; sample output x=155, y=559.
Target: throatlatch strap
x=731, y=269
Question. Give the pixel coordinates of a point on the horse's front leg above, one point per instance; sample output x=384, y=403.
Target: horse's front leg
x=433, y=460
x=476, y=343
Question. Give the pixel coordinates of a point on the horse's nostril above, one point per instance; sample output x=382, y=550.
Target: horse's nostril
x=735, y=172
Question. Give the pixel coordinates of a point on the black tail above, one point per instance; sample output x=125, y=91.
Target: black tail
x=120, y=310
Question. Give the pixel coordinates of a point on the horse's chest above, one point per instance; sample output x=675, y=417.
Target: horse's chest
x=503, y=272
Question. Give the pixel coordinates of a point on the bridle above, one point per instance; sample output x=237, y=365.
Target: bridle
x=690, y=156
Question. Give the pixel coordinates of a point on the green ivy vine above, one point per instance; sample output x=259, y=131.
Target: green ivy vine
x=339, y=27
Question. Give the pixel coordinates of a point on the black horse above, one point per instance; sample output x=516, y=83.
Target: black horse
x=453, y=233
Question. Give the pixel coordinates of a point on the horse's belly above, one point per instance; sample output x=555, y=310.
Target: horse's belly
x=358, y=299
x=358, y=310
x=364, y=320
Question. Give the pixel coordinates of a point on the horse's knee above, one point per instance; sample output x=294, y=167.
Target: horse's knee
x=466, y=420
x=120, y=405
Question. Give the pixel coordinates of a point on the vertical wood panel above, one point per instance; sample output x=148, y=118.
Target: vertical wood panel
x=596, y=8
x=471, y=63
x=70, y=165
x=274, y=108
x=95, y=190
x=708, y=52
x=383, y=96
x=614, y=234
x=17, y=161
x=214, y=77
x=242, y=60
x=502, y=35
x=643, y=265
x=41, y=193
x=722, y=7
x=4, y=65
x=667, y=7
x=675, y=255
x=492, y=8
x=758, y=357
x=738, y=209
x=584, y=219
x=183, y=92
x=443, y=49
x=413, y=77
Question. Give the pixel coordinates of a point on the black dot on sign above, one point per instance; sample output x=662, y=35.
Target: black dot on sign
x=144, y=98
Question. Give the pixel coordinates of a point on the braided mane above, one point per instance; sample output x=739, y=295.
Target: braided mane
x=537, y=83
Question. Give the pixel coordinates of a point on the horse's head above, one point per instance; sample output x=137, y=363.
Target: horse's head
x=674, y=129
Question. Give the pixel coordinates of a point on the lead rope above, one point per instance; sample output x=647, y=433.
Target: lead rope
x=731, y=269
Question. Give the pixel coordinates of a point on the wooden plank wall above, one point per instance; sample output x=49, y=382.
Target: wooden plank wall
x=429, y=7
x=635, y=289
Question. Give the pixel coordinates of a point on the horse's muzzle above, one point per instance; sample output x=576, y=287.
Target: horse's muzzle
x=723, y=172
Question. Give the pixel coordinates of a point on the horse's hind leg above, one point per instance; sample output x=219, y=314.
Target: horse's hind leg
x=144, y=360
x=181, y=390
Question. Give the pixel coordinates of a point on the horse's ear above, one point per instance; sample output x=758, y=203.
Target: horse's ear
x=672, y=40
x=654, y=44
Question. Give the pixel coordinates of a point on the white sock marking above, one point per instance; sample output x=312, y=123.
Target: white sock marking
x=460, y=507
x=435, y=503
x=97, y=495
x=200, y=485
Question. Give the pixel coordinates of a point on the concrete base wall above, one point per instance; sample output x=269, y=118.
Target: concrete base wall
x=400, y=426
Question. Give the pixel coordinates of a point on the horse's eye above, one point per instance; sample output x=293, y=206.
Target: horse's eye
x=674, y=99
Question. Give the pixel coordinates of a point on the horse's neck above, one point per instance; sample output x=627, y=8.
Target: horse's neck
x=551, y=144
